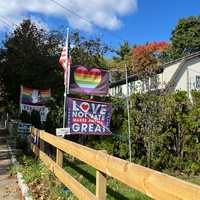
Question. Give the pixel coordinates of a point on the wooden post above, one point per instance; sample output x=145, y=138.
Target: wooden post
x=59, y=157
x=41, y=142
x=42, y=145
x=101, y=183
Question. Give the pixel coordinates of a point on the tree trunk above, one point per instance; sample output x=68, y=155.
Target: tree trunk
x=149, y=154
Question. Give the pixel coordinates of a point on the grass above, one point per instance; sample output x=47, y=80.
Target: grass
x=45, y=186
x=195, y=179
x=86, y=175
x=42, y=183
x=191, y=179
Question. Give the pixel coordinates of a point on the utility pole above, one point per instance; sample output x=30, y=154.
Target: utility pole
x=128, y=111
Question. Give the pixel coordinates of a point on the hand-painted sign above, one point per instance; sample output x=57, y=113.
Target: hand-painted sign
x=33, y=99
x=88, y=117
x=90, y=81
x=36, y=97
x=43, y=110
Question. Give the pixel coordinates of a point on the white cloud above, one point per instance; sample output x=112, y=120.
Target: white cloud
x=103, y=13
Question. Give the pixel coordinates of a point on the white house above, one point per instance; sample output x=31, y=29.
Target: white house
x=182, y=74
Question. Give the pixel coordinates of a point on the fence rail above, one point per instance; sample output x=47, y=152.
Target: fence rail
x=150, y=182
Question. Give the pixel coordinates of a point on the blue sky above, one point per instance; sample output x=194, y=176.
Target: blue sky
x=154, y=20
x=113, y=20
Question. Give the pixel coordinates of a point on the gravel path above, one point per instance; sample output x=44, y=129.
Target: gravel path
x=9, y=189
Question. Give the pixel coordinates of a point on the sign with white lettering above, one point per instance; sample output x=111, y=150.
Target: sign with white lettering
x=88, y=117
x=43, y=110
x=23, y=127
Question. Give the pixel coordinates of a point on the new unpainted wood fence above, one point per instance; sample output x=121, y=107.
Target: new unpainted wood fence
x=150, y=182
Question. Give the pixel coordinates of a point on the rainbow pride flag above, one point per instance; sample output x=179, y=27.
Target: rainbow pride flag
x=87, y=79
x=90, y=81
x=36, y=97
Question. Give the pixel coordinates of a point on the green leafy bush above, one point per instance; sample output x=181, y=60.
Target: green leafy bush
x=35, y=119
x=25, y=117
x=42, y=183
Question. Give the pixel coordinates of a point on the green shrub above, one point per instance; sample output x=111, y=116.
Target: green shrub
x=35, y=119
x=25, y=117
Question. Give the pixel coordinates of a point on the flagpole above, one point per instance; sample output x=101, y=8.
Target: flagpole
x=128, y=111
x=66, y=81
x=68, y=68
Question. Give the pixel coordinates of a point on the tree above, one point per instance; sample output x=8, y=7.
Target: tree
x=117, y=64
x=35, y=119
x=88, y=52
x=146, y=58
x=25, y=117
x=29, y=59
x=185, y=39
x=123, y=51
x=150, y=114
x=180, y=122
x=186, y=36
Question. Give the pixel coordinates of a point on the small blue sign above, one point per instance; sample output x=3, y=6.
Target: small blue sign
x=23, y=127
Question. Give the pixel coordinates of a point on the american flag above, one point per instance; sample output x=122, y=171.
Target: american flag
x=65, y=62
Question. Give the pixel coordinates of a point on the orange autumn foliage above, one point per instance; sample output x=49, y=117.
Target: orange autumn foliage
x=146, y=57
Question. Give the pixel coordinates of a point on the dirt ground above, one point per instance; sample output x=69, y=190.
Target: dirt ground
x=9, y=189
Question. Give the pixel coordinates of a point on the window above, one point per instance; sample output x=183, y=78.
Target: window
x=146, y=84
x=154, y=82
x=131, y=87
x=197, y=82
x=119, y=90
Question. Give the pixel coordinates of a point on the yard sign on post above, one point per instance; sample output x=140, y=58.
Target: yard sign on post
x=88, y=117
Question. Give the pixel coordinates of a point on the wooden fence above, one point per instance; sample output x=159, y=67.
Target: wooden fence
x=150, y=182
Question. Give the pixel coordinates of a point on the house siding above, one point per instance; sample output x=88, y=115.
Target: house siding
x=182, y=75
x=168, y=72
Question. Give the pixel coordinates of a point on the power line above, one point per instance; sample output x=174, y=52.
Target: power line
x=77, y=15
x=87, y=20
x=119, y=38
x=92, y=23
x=71, y=11
x=5, y=22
